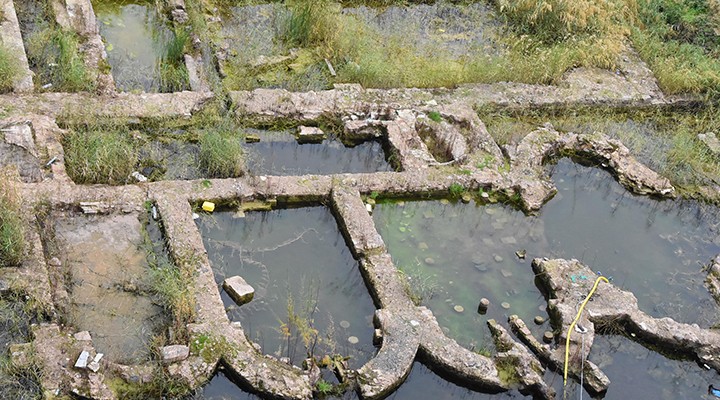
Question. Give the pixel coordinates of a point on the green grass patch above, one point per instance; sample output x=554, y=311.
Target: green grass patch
x=211, y=347
x=12, y=228
x=173, y=73
x=55, y=54
x=680, y=41
x=99, y=156
x=221, y=152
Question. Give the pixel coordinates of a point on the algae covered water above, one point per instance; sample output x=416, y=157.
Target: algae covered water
x=460, y=253
x=136, y=34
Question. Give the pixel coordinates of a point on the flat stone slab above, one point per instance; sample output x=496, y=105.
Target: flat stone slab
x=239, y=290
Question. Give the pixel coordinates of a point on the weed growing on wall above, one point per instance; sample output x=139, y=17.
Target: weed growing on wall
x=8, y=69
x=12, y=230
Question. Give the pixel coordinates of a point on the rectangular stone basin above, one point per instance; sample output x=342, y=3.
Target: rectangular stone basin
x=299, y=264
x=105, y=261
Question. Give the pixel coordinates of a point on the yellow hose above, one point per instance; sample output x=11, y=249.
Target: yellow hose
x=572, y=326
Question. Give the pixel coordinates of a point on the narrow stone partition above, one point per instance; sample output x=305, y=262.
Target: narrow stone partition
x=11, y=38
x=568, y=282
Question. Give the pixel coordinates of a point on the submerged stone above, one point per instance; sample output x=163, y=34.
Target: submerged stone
x=239, y=290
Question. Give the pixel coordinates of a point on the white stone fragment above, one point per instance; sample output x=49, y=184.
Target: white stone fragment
x=82, y=360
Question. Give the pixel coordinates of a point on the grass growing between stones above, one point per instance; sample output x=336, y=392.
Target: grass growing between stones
x=162, y=386
x=55, y=53
x=12, y=230
x=172, y=288
x=173, y=73
x=8, y=69
x=221, y=152
x=99, y=156
x=20, y=379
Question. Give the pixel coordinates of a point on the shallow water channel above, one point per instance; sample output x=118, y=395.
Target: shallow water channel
x=279, y=153
x=136, y=35
x=293, y=258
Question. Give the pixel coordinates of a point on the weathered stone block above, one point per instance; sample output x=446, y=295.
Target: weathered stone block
x=310, y=134
x=239, y=290
x=82, y=360
x=174, y=353
x=83, y=336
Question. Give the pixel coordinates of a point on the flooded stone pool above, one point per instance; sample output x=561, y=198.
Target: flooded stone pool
x=299, y=265
x=279, y=153
x=137, y=40
x=654, y=249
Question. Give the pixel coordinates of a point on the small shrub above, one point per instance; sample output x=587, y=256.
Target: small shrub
x=12, y=230
x=99, y=156
x=221, y=153
x=456, y=190
x=435, y=116
x=326, y=389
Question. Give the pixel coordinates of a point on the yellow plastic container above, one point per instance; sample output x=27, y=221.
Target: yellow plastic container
x=208, y=206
